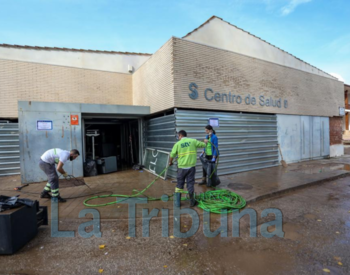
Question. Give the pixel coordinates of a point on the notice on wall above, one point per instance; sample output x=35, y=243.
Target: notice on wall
x=44, y=125
x=341, y=111
x=74, y=120
x=214, y=122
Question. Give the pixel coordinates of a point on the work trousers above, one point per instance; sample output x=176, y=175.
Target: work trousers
x=208, y=157
x=188, y=175
x=52, y=178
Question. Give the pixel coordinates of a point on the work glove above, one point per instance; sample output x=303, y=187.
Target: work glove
x=65, y=175
x=201, y=155
x=213, y=159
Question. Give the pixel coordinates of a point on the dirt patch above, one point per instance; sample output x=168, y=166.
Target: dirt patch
x=310, y=216
x=292, y=231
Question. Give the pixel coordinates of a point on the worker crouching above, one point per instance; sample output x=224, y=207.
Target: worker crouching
x=47, y=164
x=186, y=150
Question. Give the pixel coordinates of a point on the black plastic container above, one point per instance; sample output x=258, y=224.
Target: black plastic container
x=19, y=225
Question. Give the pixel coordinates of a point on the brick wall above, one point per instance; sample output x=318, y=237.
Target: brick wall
x=153, y=83
x=49, y=83
x=162, y=82
x=335, y=130
x=224, y=72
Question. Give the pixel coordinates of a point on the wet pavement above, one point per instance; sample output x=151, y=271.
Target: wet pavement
x=316, y=225
x=252, y=186
x=264, y=183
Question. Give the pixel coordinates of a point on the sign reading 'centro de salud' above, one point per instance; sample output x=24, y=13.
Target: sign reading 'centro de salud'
x=210, y=95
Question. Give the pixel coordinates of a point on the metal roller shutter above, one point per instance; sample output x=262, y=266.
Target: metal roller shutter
x=9, y=149
x=246, y=141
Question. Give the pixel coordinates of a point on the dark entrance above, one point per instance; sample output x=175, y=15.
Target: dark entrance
x=113, y=143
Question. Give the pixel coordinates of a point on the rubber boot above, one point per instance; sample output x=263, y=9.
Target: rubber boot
x=177, y=200
x=209, y=184
x=204, y=181
x=193, y=200
x=59, y=199
x=45, y=195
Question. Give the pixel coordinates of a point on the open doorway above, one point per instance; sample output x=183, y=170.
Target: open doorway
x=110, y=145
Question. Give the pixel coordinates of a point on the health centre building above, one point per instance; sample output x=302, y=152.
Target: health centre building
x=255, y=94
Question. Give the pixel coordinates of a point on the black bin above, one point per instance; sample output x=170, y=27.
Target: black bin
x=19, y=225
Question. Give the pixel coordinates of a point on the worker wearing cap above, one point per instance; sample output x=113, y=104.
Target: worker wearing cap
x=186, y=150
x=47, y=164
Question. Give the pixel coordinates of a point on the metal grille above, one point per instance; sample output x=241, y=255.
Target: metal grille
x=9, y=149
x=246, y=141
x=160, y=134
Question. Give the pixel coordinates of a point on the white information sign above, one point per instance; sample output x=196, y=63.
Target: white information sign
x=44, y=125
x=214, y=122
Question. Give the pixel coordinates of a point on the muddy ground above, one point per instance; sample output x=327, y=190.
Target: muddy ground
x=316, y=223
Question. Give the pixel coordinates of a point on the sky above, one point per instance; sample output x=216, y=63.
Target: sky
x=316, y=31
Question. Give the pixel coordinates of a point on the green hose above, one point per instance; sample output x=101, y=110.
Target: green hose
x=123, y=196
x=217, y=201
x=214, y=201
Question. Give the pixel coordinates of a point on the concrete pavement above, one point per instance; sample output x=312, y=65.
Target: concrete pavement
x=316, y=223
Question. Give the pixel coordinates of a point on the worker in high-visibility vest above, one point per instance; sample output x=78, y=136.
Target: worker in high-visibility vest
x=186, y=150
x=47, y=164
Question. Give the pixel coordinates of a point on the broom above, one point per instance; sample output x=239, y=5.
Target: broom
x=284, y=164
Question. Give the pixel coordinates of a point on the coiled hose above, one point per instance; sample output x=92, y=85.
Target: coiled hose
x=214, y=201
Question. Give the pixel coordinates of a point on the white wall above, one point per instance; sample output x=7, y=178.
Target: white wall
x=313, y=139
x=336, y=150
x=288, y=128
x=86, y=60
x=220, y=34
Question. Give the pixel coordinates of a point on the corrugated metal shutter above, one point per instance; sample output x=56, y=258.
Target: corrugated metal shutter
x=9, y=149
x=246, y=141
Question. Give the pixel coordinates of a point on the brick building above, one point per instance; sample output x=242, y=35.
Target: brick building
x=346, y=124
x=259, y=95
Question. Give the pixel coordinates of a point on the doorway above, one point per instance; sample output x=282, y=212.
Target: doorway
x=314, y=137
x=110, y=144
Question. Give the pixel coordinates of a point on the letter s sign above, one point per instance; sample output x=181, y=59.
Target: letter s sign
x=193, y=88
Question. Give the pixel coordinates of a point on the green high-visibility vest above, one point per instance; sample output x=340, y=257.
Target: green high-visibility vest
x=186, y=149
x=56, y=159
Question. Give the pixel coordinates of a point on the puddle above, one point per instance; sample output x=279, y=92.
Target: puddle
x=321, y=168
x=291, y=231
x=235, y=257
